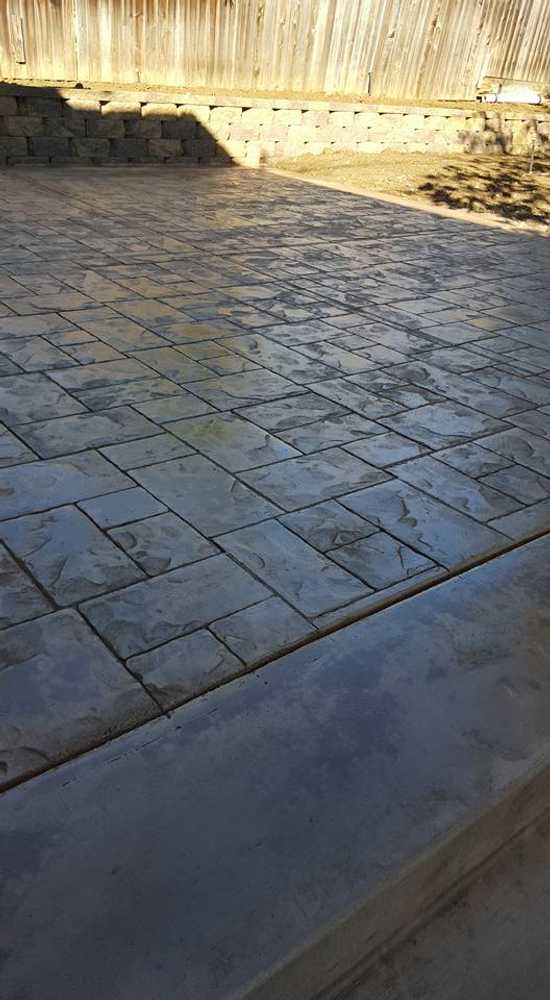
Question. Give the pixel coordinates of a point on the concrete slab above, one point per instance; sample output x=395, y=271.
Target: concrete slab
x=266, y=838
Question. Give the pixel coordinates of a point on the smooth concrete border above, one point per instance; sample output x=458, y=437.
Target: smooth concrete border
x=270, y=837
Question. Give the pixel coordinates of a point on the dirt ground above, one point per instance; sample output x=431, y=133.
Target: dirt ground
x=282, y=95
x=501, y=187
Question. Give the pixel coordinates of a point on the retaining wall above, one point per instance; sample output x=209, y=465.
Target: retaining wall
x=50, y=125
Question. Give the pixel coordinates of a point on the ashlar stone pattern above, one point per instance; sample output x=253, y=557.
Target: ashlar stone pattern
x=253, y=409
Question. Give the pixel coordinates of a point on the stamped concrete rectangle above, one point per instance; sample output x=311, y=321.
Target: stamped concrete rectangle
x=232, y=442
x=62, y=692
x=25, y=489
x=470, y=496
x=445, y=535
x=308, y=479
x=229, y=391
x=12, y=450
x=522, y=447
x=162, y=542
x=20, y=598
x=63, y=435
x=199, y=491
x=307, y=580
x=184, y=668
x=148, y=614
x=68, y=555
x=33, y=396
x=262, y=630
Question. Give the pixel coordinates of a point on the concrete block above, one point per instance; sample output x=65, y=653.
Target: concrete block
x=236, y=149
x=179, y=128
x=105, y=128
x=127, y=109
x=369, y=146
x=12, y=146
x=65, y=126
x=285, y=117
x=200, y=112
x=129, y=149
x=8, y=106
x=159, y=110
x=257, y=116
x=143, y=128
x=50, y=147
x=220, y=132
x=165, y=149
x=83, y=105
x=27, y=125
x=315, y=119
x=342, y=119
x=240, y=132
x=203, y=148
x=299, y=133
x=274, y=133
x=411, y=122
x=42, y=106
x=96, y=149
x=367, y=119
x=225, y=115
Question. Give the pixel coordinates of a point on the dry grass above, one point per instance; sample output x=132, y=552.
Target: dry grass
x=499, y=186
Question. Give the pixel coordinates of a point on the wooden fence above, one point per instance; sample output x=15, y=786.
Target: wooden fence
x=390, y=48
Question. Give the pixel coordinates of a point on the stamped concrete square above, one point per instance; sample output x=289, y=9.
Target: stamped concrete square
x=262, y=630
x=68, y=555
x=147, y=450
x=122, y=508
x=381, y=560
x=62, y=692
x=386, y=449
x=25, y=489
x=327, y=525
x=232, y=442
x=162, y=543
x=184, y=668
x=20, y=598
x=153, y=612
x=12, y=450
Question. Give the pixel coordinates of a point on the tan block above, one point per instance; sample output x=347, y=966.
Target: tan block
x=257, y=116
x=315, y=119
x=221, y=114
x=200, y=112
x=159, y=110
x=411, y=122
x=83, y=105
x=367, y=119
x=341, y=119
x=370, y=147
x=127, y=109
x=283, y=117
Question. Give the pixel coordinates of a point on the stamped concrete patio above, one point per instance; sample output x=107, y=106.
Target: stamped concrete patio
x=238, y=411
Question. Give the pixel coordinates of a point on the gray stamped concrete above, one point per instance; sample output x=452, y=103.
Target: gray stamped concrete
x=279, y=830
x=253, y=412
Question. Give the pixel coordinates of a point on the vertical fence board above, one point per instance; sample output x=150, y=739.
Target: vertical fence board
x=406, y=48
